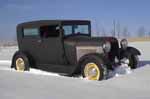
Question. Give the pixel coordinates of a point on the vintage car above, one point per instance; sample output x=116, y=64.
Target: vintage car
x=67, y=47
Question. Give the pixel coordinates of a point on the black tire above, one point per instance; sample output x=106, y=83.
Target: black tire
x=100, y=64
x=133, y=61
x=25, y=59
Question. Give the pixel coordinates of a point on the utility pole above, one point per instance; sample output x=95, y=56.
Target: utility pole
x=114, y=25
x=118, y=29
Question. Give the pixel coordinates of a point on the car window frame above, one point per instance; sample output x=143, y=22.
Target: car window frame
x=30, y=36
x=50, y=36
x=89, y=29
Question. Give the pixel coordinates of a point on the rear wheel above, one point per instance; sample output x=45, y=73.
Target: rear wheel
x=93, y=69
x=21, y=62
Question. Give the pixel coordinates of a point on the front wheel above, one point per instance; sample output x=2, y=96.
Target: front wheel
x=133, y=61
x=93, y=69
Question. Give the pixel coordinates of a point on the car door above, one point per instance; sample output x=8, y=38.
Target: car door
x=30, y=43
x=51, y=46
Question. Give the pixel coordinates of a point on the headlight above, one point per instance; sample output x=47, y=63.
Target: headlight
x=124, y=43
x=107, y=47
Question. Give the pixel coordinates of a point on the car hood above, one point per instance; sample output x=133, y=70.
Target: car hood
x=89, y=41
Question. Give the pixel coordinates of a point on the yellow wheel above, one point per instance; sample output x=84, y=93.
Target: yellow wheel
x=91, y=71
x=93, y=68
x=20, y=64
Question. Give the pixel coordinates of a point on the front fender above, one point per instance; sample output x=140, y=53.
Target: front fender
x=86, y=56
x=77, y=69
x=102, y=56
x=133, y=51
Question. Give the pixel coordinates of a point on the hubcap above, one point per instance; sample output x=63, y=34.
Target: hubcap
x=20, y=64
x=91, y=71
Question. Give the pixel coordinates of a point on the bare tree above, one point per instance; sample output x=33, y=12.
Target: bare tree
x=112, y=32
x=141, y=31
x=114, y=28
x=118, y=29
x=125, y=32
x=97, y=28
x=103, y=31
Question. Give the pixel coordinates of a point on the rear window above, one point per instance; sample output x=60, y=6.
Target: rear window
x=31, y=32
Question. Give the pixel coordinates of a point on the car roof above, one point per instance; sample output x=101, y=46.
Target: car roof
x=49, y=22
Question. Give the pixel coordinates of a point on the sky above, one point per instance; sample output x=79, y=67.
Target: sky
x=131, y=14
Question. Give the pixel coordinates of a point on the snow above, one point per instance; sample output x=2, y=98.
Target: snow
x=144, y=49
x=6, y=53
x=44, y=85
x=123, y=69
x=7, y=63
x=16, y=85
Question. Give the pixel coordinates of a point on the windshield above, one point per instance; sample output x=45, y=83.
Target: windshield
x=76, y=29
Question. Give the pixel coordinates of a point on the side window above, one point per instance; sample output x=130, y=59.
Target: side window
x=30, y=32
x=49, y=31
x=67, y=30
x=81, y=29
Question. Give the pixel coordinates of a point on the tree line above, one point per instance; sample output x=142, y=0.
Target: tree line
x=122, y=31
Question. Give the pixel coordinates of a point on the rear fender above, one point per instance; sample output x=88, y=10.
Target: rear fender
x=31, y=61
x=13, y=62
